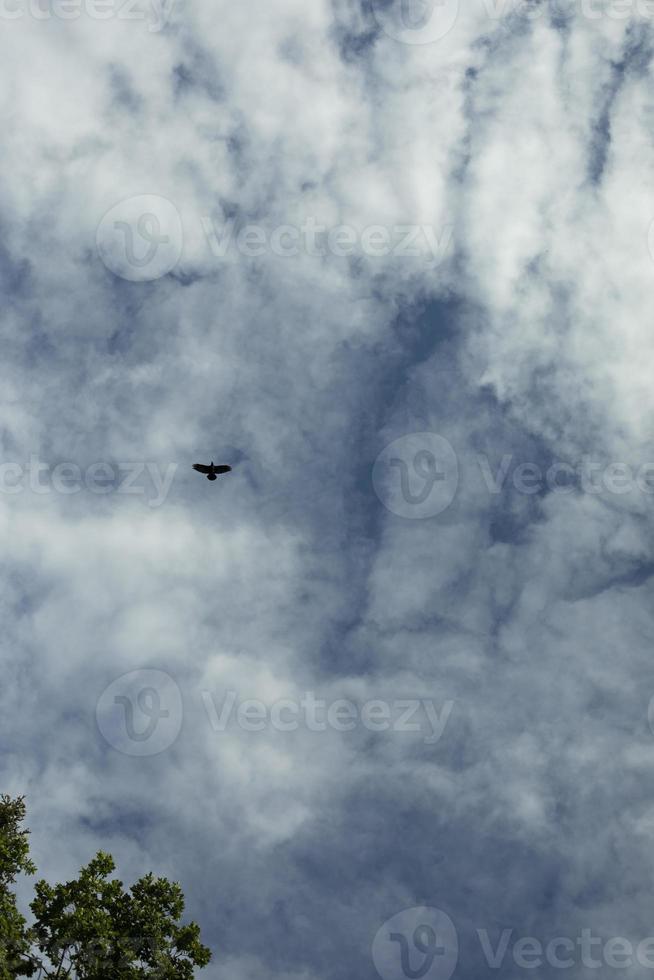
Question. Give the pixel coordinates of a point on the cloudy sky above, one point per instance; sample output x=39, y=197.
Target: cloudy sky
x=392, y=262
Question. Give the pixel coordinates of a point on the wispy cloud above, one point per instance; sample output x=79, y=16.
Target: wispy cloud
x=408, y=519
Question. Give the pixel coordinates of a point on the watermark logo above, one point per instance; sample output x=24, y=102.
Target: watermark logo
x=416, y=21
x=140, y=713
x=425, y=243
x=426, y=21
x=588, y=476
x=417, y=944
x=156, y=15
x=650, y=715
x=418, y=716
x=564, y=952
x=417, y=476
x=422, y=943
x=100, y=478
x=141, y=239
x=650, y=240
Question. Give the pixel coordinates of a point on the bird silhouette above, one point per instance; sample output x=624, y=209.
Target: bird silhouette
x=211, y=472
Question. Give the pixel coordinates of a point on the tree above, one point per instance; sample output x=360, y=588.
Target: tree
x=14, y=860
x=91, y=928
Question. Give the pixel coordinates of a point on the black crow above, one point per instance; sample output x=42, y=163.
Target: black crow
x=212, y=472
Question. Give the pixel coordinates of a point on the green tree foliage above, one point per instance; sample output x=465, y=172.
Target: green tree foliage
x=91, y=928
x=14, y=860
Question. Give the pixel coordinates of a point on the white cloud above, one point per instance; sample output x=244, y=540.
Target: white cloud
x=531, y=614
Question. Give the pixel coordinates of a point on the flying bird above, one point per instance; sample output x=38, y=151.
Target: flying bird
x=212, y=472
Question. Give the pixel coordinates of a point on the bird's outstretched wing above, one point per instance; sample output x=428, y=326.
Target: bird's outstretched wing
x=201, y=468
x=222, y=469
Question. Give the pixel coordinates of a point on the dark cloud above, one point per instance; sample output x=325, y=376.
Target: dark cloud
x=518, y=330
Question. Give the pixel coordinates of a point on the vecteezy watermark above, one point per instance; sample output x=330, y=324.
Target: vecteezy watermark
x=423, y=943
x=416, y=21
x=156, y=13
x=514, y=11
x=140, y=713
x=141, y=239
x=417, y=944
x=417, y=475
x=588, y=475
x=317, y=240
x=650, y=714
x=594, y=10
x=99, y=478
x=564, y=952
x=408, y=715
x=426, y=21
x=105, y=956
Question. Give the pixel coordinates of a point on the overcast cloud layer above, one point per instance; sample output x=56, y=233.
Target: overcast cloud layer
x=507, y=148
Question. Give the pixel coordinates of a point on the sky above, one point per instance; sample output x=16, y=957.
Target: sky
x=380, y=698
